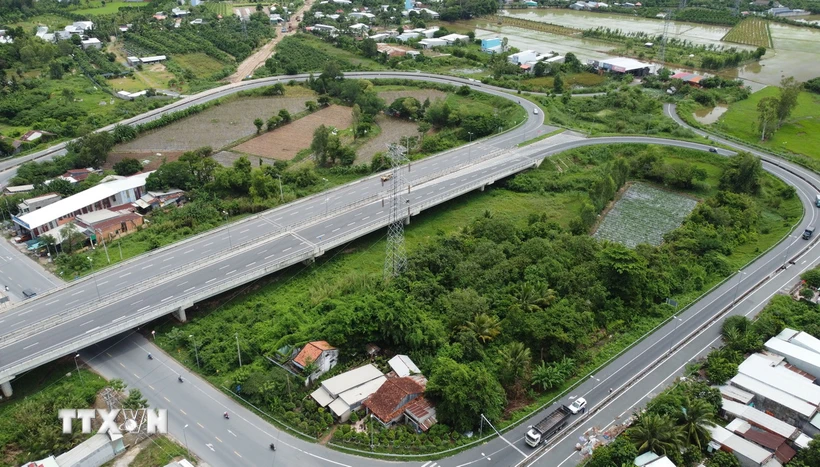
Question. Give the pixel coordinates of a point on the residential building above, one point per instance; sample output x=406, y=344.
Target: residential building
x=759, y=419
x=322, y=28
x=177, y=12
x=782, y=405
x=403, y=366
x=392, y=50
x=152, y=59
x=772, y=370
x=108, y=223
x=491, y=45
x=748, y=453
x=102, y=196
x=91, y=42
x=429, y=32
x=621, y=65
x=689, y=78
x=359, y=28
x=83, y=26
x=420, y=414
x=159, y=199
x=735, y=394
x=361, y=15
x=323, y=355
x=407, y=36
x=15, y=190
x=769, y=441
x=650, y=459
x=276, y=18
x=387, y=404
x=522, y=57
x=800, y=357
x=33, y=204
x=30, y=139
x=453, y=38
x=345, y=393
x=800, y=339
x=430, y=43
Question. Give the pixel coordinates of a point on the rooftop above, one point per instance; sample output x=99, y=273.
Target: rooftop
x=312, y=351
x=736, y=394
x=775, y=395
x=794, y=353
x=800, y=338
x=734, y=442
x=80, y=200
x=760, y=419
x=625, y=63
x=403, y=366
x=348, y=380
x=778, y=376
x=385, y=403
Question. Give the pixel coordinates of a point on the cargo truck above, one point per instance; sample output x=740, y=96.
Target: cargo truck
x=548, y=427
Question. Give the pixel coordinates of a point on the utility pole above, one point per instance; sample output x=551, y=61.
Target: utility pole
x=238, y=352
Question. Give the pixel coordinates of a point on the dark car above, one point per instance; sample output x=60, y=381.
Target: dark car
x=714, y=150
x=808, y=232
x=28, y=293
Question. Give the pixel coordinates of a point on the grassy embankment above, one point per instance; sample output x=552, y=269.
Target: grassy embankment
x=800, y=134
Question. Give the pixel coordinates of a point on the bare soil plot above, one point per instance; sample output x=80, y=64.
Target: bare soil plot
x=154, y=159
x=216, y=127
x=419, y=94
x=227, y=158
x=283, y=143
x=392, y=129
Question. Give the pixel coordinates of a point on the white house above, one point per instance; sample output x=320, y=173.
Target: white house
x=407, y=36
x=345, y=393
x=453, y=38
x=361, y=15
x=430, y=43
x=323, y=355
x=91, y=42
x=83, y=25
x=522, y=57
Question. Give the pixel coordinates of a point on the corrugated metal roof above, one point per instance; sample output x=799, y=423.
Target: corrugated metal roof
x=794, y=354
x=339, y=407
x=764, y=438
x=82, y=199
x=780, y=377
x=403, y=366
x=734, y=442
x=759, y=419
x=775, y=395
x=802, y=441
x=661, y=462
x=321, y=397
x=805, y=340
x=360, y=393
x=736, y=394
x=348, y=380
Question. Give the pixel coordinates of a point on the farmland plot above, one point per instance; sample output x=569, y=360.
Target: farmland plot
x=392, y=130
x=643, y=215
x=284, y=142
x=215, y=127
x=750, y=31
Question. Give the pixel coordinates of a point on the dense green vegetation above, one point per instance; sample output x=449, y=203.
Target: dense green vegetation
x=29, y=427
x=526, y=282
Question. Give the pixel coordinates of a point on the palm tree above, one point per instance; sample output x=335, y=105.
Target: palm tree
x=656, y=433
x=485, y=327
x=515, y=360
x=694, y=418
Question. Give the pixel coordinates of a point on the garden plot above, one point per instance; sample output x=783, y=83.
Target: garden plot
x=283, y=143
x=216, y=127
x=419, y=94
x=643, y=215
x=750, y=31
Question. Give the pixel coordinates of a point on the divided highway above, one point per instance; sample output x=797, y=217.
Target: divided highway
x=119, y=298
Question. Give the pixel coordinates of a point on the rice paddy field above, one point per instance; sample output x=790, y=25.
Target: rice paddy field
x=643, y=215
x=750, y=31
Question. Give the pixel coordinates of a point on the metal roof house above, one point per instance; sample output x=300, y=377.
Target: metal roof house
x=786, y=406
x=798, y=356
x=748, y=453
x=770, y=370
x=403, y=366
x=800, y=339
x=345, y=393
x=760, y=419
x=769, y=441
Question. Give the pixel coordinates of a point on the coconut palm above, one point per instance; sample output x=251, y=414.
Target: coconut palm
x=656, y=433
x=515, y=360
x=485, y=327
x=694, y=418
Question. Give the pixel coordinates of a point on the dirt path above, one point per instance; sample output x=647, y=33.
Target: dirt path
x=258, y=59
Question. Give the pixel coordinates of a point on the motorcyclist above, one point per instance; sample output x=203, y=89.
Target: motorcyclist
x=150, y=357
x=272, y=446
x=180, y=378
x=225, y=415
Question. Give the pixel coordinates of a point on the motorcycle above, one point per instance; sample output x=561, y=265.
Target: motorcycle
x=226, y=416
x=272, y=447
x=150, y=357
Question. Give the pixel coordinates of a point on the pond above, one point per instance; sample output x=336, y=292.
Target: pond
x=709, y=116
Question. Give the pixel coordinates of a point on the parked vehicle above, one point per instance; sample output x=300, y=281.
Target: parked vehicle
x=817, y=201
x=28, y=293
x=576, y=406
x=548, y=427
x=806, y=234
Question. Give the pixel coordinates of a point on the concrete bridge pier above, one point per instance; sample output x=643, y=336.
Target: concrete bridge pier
x=180, y=315
x=5, y=387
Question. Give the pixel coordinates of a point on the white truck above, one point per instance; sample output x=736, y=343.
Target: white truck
x=548, y=427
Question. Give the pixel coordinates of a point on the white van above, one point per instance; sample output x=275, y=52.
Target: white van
x=535, y=111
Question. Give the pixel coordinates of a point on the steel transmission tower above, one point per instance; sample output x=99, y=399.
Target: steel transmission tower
x=395, y=260
x=666, y=22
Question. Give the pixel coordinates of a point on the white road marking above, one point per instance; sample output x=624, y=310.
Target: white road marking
x=278, y=218
x=168, y=259
x=52, y=302
x=286, y=249
x=146, y=267
x=336, y=229
x=210, y=280
x=243, y=231
x=76, y=293
x=269, y=256
x=188, y=290
x=87, y=322
x=250, y=264
x=180, y=285
x=30, y=346
x=350, y=224
x=126, y=274
x=119, y=319
x=211, y=243
x=366, y=218
x=92, y=330
x=166, y=299
x=186, y=252
x=223, y=267
x=230, y=272
x=103, y=283
x=143, y=308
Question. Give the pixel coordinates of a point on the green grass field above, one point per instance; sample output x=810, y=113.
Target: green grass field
x=219, y=8
x=750, y=31
x=574, y=79
x=96, y=8
x=199, y=64
x=800, y=134
x=53, y=22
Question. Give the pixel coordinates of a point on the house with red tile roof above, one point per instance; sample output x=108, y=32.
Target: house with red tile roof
x=388, y=403
x=322, y=354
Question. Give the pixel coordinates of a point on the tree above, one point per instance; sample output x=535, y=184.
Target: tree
x=124, y=133
x=134, y=400
x=812, y=277
x=742, y=174
x=485, y=327
x=787, y=100
x=6, y=148
x=694, y=417
x=547, y=376
x=369, y=48
x=464, y=391
x=258, y=122
x=725, y=459
x=321, y=137
x=558, y=84
x=656, y=433
x=68, y=95
x=55, y=70
x=514, y=360
x=616, y=453
x=127, y=166
x=285, y=115
x=767, y=117
x=92, y=149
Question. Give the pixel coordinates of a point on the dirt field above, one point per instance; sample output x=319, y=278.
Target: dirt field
x=392, y=130
x=227, y=158
x=154, y=160
x=215, y=127
x=283, y=143
x=420, y=94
